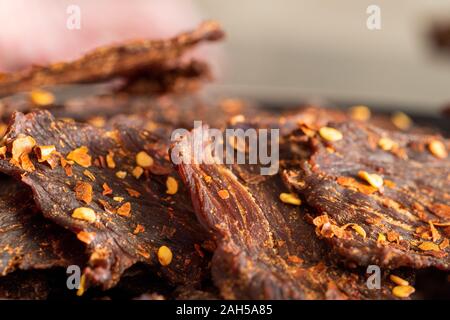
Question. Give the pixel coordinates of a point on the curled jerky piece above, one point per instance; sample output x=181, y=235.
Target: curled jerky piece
x=265, y=250
x=397, y=201
x=27, y=240
x=113, y=61
x=127, y=218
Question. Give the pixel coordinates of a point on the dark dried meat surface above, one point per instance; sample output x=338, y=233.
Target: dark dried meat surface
x=265, y=250
x=405, y=222
x=113, y=61
x=25, y=285
x=27, y=240
x=129, y=215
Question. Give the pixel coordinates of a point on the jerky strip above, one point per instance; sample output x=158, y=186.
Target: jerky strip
x=401, y=222
x=27, y=240
x=100, y=189
x=265, y=250
x=112, y=61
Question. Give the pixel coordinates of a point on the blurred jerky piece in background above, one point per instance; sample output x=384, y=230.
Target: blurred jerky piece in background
x=381, y=197
x=181, y=77
x=25, y=285
x=265, y=250
x=27, y=239
x=97, y=183
x=113, y=61
x=440, y=36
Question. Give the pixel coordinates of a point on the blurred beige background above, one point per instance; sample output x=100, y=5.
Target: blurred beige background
x=294, y=48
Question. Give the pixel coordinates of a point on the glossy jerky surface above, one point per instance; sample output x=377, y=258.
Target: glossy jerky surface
x=128, y=217
x=27, y=240
x=402, y=223
x=265, y=250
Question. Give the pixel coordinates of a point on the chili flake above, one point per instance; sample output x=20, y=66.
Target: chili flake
x=80, y=156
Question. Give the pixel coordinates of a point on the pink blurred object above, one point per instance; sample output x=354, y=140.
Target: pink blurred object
x=35, y=32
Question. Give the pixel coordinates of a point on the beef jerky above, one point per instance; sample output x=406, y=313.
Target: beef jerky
x=160, y=114
x=25, y=285
x=134, y=282
x=187, y=293
x=180, y=78
x=170, y=112
x=122, y=214
x=439, y=36
x=111, y=61
x=27, y=240
x=265, y=250
x=379, y=202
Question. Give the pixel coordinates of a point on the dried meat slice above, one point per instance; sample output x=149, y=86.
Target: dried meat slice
x=112, y=61
x=115, y=189
x=25, y=285
x=265, y=250
x=27, y=240
x=381, y=197
x=182, y=77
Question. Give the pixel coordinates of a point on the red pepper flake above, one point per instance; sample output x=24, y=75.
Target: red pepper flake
x=199, y=250
x=67, y=167
x=137, y=172
x=86, y=237
x=108, y=208
x=429, y=246
x=124, y=210
x=389, y=183
x=106, y=189
x=295, y=259
x=110, y=160
x=26, y=163
x=143, y=253
x=223, y=194
x=435, y=235
x=352, y=183
x=139, y=229
x=47, y=154
x=133, y=193
x=80, y=156
x=441, y=210
x=89, y=174
x=392, y=236
x=83, y=192
x=22, y=145
x=320, y=220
